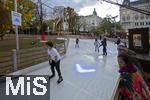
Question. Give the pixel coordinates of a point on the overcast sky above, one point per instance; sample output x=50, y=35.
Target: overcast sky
x=86, y=7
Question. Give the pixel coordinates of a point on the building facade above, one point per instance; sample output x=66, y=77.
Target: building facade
x=132, y=19
x=88, y=22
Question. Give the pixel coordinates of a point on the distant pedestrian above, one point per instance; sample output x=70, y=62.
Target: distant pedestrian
x=118, y=41
x=54, y=61
x=104, y=44
x=97, y=45
x=77, y=43
x=100, y=37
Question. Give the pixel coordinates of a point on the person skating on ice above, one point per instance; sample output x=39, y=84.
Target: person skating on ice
x=104, y=44
x=97, y=45
x=54, y=61
x=77, y=43
x=118, y=41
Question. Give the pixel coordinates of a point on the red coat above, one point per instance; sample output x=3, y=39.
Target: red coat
x=132, y=84
x=43, y=37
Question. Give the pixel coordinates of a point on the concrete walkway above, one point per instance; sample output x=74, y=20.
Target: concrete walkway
x=87, y=75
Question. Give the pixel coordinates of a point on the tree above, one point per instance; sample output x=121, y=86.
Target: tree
x=51, y=23
x=81, y=24
x=4, y=19
x=72, y=19
x=25, y=7
x=104, y=26
x=107, y=25
x=40, y=13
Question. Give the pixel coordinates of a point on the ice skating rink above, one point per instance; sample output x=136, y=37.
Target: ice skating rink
x=88, y=75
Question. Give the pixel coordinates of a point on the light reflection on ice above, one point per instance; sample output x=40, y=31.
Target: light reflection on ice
x=82, y=70
x=100, y=57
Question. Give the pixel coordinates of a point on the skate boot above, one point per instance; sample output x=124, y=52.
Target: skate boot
x=59, y=80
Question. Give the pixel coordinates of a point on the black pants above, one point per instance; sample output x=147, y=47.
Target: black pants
x=55, y=65
x=104, y=50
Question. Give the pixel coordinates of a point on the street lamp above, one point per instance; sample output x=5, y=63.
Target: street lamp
x=16, y=27
x=115, y=24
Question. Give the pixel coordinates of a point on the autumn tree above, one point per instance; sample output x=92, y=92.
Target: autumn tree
x=72, y=19
x=107, y=25
x=4, y=18
x=25, y=7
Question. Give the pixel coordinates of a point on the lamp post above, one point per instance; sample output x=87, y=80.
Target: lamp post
x=16, y=27
x=115, y=24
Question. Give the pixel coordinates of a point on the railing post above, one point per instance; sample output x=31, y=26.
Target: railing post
x=14, y=58
x=65, y=46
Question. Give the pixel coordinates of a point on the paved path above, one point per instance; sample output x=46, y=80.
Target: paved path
x=96, y=85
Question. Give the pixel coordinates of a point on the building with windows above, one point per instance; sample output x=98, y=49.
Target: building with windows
x=88, y=22
x=132, y=19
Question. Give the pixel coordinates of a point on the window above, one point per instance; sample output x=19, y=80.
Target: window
x=140, y=23
x=137, y=42
x=142, y=17
x=136, y=24
x=147, y=17
x=93, y=22
x=123, y=18
x=128, y=17
x=136, y=17
x=146, y=23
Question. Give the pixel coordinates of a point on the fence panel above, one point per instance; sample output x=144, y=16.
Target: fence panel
x=25, y=58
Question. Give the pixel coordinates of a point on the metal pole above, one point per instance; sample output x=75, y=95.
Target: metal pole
x=14, y=57
x=16, y=27
x=115, y=26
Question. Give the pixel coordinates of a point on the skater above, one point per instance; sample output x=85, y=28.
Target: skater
x=100, y=37
x=97, y=45
x=54, y=61
x=104, y=44
x=118, y=41
x=77, y=43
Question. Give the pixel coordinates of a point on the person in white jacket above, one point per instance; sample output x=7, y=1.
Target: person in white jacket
x=97, y=45
x=54, y=61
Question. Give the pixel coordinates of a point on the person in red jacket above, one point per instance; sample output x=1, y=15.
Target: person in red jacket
x=43, y=36
x=132, y=84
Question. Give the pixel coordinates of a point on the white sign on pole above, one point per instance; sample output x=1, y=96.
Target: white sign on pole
x=16, y=18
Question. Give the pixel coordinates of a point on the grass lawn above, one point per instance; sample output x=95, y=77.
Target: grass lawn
x=8, y=45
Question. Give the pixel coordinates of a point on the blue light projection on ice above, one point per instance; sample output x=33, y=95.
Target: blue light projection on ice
x=81, y=69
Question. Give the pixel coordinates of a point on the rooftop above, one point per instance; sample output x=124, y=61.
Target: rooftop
x=139, y=2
